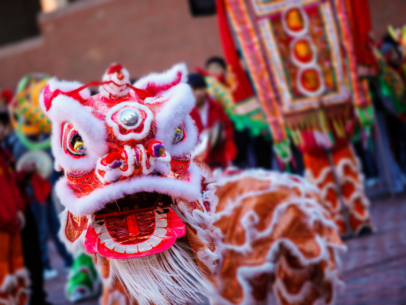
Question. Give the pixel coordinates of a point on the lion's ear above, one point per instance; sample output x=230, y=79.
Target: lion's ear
x=65, y=105
x=55, y=87
x=158, y=83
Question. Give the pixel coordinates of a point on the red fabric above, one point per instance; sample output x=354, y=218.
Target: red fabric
x=41, y=188
x=76, y=96
x=7, y=94
x=155, y=88
x=10, y=200
x=111, y=157
x=115, y=68
x=227, y=150
x=361, y=27
x=243, y=88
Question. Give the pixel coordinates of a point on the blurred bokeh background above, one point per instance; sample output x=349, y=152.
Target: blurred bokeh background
x=79, y=39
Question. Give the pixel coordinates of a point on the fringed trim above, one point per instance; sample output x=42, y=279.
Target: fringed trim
x=330, y=275
x=117, y=297
x=24, y=275
x=249, y=222
x=169, y=277
x=9, y=283
x=15, y=288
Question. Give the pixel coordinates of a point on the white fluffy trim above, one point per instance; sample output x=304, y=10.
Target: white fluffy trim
x=8, y=284
x=92, y=131
x=117, y=90
x=24, y=275
x=168, y=119
x=64, y=86
x=97, y=199
x=163, y=78
x=132, y=135
x=249, y=222
x=175, y=111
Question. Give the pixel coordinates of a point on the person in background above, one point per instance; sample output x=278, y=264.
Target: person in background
x=253, y=142
x=38, y=188
x=18, y=236
x=212, y=120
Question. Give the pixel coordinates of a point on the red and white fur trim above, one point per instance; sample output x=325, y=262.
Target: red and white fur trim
x=92, y=130
x=154, y=81
x=9, y=283
x=97, y=199
x=118, y=87
x=180, y=102
x=203, y=223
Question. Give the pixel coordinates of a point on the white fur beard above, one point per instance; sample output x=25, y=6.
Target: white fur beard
x=160, y=279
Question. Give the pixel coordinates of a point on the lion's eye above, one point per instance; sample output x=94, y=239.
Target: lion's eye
x=72, y=142
x=76, y=146
x=179, y=134
x=79, y=148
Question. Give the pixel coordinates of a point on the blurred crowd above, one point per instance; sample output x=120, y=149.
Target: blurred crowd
x=28, y=208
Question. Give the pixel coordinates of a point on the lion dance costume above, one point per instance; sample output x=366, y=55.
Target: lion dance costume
x=299, y=55
x=139, y=203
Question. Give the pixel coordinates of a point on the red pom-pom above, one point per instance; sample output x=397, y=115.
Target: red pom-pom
x=111, y=157
x=7, y=94
x=115, y=68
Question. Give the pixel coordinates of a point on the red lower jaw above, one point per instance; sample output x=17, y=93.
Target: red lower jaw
x=134, y=234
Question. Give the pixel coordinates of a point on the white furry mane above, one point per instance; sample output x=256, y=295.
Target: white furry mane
x=169, y=277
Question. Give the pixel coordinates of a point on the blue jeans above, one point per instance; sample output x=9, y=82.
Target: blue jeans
x=48, y=226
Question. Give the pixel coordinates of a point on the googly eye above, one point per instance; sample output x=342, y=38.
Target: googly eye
x=79, y=148
x=179, y=134
x=72, y=142
x=75, y=145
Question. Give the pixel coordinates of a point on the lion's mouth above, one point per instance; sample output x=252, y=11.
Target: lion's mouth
x=139, y=202
x=134, y=226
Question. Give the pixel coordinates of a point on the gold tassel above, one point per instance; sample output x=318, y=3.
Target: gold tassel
x=339, y=128
x=294, y=137
x=323, y=121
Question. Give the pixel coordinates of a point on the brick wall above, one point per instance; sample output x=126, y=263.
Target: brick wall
x=387, y=12
x=79, y=41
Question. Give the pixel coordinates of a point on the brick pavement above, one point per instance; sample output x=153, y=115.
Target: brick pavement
x=374, y=267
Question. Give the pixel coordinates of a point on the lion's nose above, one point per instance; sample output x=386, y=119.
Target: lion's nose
x=120, y=75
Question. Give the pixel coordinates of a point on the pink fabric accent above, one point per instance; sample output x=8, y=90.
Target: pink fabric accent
x=91, y=240
x=175, y=229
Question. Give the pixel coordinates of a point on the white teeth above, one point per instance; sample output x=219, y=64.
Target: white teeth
x=105, y=236
x=99, y=229
x=110, y=244
x=131, y=249
x=154, y=241
x=160, y=232
x=160, y=216
x=144, y=246
x=161, y=223
x=119, y=248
